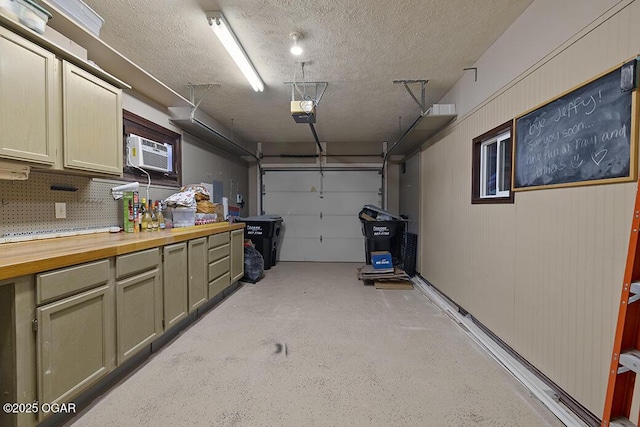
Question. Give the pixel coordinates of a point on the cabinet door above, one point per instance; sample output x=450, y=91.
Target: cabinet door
x=75, y=344
x=92, y=122
x=198, y=283
x=17, y=348
x=29, y=113
x=237, y=255
x=174, y=277
x=139, y=312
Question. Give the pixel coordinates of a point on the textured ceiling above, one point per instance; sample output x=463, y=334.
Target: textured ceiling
x=358, y=46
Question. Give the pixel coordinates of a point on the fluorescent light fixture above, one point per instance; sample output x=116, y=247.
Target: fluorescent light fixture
x=221, y=28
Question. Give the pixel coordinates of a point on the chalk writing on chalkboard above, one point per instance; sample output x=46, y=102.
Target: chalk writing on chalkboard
x=580, y=137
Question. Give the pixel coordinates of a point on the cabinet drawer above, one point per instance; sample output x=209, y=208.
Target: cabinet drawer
x=218, y=268
x=67, y=281
x=218, y=253
x=219, y=285
x=137, y=262
x=218, y=239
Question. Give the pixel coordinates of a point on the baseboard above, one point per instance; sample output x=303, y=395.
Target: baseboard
x=568, y=411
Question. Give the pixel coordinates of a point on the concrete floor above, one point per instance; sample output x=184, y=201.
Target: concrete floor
x=311, y=345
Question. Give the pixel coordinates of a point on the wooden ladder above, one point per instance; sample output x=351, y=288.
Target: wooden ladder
x=625, y=358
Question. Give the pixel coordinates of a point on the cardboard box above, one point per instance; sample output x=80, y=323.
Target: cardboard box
x=219, y=210
x=381, y=259
x=392, y=284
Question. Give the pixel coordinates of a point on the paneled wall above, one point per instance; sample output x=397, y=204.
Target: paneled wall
x=545, y=273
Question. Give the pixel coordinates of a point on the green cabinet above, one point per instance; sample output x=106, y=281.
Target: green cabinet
x=237, y=255
x=219, y=264
x=92, y=125
x=175, y=284
x=29, y=111
x=197, y=251
x=17, y=348
x=56, y=115
x=75, y=339
x=138, y=301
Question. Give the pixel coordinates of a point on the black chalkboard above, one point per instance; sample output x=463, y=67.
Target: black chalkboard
x=578, y=138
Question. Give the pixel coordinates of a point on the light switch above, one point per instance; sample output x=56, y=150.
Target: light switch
x=61, y=210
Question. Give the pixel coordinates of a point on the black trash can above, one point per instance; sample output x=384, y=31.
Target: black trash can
x=264, y=232
x=383, y=231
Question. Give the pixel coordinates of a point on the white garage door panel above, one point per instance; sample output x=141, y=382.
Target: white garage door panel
x=300, y=226
x=313, y=227
x=296, y=197
x=340, y=226
x=278, y=203
x=296, y=249
x=291, y=181
x=341, y=250
x=355, y=181
x=333, y=250
x=348, y=203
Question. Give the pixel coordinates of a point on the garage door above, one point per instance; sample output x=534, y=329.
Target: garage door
x=320, y=212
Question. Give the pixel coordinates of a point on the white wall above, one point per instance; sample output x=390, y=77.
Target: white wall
x=203, y=163
x=146, y=109
x=544, y=26
x=410, y=192
x=392, y=184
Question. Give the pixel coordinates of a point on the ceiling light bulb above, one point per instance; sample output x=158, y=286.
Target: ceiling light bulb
x=296, y=49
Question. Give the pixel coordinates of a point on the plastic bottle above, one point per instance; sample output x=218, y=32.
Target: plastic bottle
x=141, y=210
x=136, y=212
x=154, y=216
x=160, y=216
x=145, y=223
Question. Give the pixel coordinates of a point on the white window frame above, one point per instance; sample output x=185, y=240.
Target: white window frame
x=499, y=140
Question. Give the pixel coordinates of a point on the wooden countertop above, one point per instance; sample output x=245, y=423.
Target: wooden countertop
x=35, y=256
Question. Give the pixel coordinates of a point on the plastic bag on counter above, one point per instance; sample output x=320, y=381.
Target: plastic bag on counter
x=200, y=192
x=182, y=198
x=253, y=265
x=189, y=196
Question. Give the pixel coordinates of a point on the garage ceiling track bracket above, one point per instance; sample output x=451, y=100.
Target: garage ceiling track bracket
x=422, y=103
x=204, y=130
x=320, y=87
x=192, y=92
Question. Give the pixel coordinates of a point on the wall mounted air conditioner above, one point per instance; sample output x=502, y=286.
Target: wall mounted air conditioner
x=147, y=154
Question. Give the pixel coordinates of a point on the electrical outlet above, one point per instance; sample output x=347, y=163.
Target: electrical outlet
x=61, y=210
